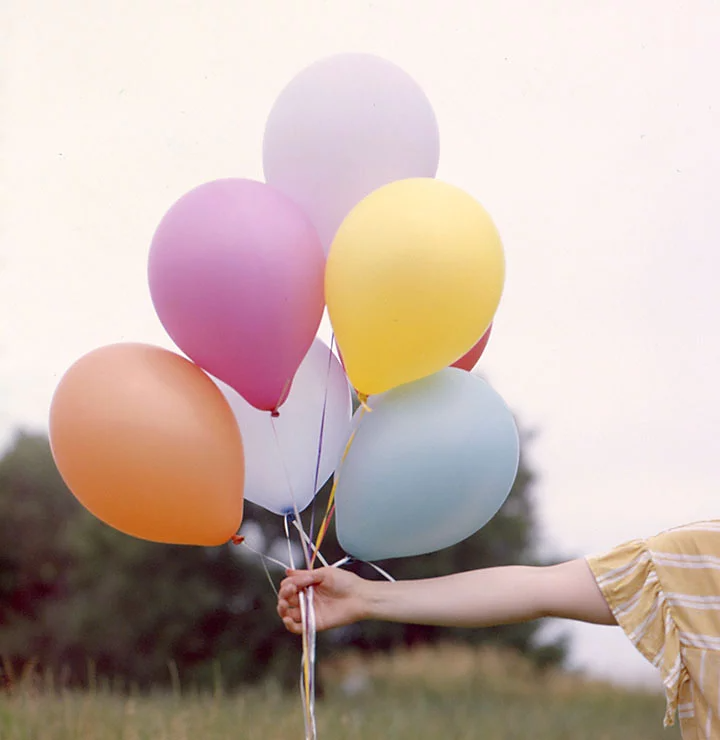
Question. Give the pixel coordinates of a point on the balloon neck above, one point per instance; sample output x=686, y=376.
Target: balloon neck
x=237, y=539
x=363, y=399
x=274, y=413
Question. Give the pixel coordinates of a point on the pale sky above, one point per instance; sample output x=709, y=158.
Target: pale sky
x=587, y=129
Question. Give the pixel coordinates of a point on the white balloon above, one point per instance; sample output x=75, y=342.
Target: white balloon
x=344, y=127
x=281, y=453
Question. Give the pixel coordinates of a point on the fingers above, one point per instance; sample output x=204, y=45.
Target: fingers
x=290, y=613
x=292, y=626
x=284, y=609
x=297, y=581
x=288, y=592
x=287, y=609
x=288, y=606
x=302, y=579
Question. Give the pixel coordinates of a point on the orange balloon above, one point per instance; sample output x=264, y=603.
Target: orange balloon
x=148, y=444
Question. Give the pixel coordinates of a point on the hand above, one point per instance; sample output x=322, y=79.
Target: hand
x=338, y=598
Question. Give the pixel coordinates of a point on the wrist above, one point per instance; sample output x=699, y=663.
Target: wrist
x=371, y=599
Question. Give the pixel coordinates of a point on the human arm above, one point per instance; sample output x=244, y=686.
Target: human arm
x=477, y=598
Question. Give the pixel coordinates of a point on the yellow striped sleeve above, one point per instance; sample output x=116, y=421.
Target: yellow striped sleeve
x=629, y=582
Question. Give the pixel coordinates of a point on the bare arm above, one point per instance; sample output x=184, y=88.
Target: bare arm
x=478, y=598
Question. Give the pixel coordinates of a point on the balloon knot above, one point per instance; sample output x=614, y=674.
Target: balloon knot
x=237, y=539
x=363, y=399
x=274, y=413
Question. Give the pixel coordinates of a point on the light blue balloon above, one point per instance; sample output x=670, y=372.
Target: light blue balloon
x=429, y=466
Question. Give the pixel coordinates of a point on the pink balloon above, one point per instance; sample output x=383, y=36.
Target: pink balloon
x=236, y=275
x=470, y=359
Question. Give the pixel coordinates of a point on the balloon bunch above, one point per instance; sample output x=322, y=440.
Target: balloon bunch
x=411, y=269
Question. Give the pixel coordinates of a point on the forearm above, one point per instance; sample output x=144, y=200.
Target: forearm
x=491, y=596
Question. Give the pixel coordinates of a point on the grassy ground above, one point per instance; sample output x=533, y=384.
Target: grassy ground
x=447, y=694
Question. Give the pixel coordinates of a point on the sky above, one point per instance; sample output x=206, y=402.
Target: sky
x=588, y=130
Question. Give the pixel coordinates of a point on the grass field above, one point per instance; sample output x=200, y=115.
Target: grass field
x=445, y=694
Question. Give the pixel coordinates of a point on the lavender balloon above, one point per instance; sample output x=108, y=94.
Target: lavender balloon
x=344, y=127
x=236, y=277
x=282, y=471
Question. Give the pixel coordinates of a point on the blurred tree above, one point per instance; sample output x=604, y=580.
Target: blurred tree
x=78, y=596
x=143, y=610
x=35, y=510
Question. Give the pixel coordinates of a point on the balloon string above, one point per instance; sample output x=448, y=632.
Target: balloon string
x=311, y=665
x=322, y=436
x=382, y=572
x=323, y=531
x=326, y=519
x=325, y=524
x=309, y=636
x=288, y=480
x=309, y=542
x=349, y=559
x=264, y=559
x=307, y=612
x=330, y=509
x=363, y=399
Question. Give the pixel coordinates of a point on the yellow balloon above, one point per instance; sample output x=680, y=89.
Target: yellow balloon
x=414, y=278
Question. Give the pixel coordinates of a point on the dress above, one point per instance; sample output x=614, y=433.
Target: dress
x=665, y=594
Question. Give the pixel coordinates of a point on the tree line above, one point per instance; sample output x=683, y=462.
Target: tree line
x=81, y=600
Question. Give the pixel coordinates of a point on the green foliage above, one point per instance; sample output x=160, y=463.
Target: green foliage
x=80, y=597
x=83, y=599
x=414, y=702
x=35, y=509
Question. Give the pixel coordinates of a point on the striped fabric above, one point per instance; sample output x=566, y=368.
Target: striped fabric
x=665, y=594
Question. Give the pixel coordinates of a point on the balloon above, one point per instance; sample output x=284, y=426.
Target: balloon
x=236, y=277
x=470, y=359
x=414, y=277
x=281, y=471
x=147, y=443
x=429, y=466
x=344, y=127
